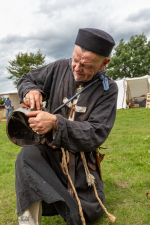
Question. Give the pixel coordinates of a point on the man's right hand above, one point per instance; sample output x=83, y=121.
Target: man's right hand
x=33, y=99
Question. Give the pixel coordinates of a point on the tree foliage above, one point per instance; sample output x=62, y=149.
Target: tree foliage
x=23, y=63
x=131, y=59
x=2, y=100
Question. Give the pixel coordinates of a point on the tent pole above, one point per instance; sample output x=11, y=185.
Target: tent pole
x=124, y=94
x=148, y=85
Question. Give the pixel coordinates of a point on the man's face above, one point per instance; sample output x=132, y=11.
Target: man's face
x=86, y=64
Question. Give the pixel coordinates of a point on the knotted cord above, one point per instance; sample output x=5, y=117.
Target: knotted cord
x=111, y=217
x=72, y=185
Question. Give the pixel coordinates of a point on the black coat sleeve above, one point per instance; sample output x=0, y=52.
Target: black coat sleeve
x=89, y=135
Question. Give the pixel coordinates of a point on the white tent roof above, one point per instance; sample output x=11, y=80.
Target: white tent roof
x=9, y=92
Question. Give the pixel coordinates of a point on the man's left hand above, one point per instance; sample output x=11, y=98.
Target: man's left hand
x=42, y=122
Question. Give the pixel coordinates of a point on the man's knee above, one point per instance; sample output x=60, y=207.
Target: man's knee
x=25, y=154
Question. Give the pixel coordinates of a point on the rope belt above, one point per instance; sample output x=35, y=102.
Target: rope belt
x=71, y=172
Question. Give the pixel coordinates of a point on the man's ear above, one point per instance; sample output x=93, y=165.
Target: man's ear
x=106, y=61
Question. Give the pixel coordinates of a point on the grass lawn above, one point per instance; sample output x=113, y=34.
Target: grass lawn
x=125, y=170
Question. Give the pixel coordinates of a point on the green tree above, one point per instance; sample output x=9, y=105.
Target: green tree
x=2, y=100
x=131, y=59
x=23, y=63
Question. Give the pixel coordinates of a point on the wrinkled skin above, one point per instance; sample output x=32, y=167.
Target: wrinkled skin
x=40, y=121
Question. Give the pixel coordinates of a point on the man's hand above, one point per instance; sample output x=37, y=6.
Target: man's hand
x=42, y=122
x=33, y=99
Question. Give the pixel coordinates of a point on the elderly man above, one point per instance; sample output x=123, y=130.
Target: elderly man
x=82, y=125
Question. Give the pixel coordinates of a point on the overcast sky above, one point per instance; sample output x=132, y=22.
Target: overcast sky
x=52, y=26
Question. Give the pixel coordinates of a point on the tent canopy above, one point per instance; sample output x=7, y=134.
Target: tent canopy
x=130, y=88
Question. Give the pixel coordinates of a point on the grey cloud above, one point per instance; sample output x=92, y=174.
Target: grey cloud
x=128, y=29
x=11, y=45
x=141, y=15
x=10, y=39
x=51, y=8
x=6, y=86
x=55, y=45
x=128, y=33
x=3, y=79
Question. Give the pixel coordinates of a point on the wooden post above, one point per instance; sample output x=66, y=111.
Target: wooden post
x=148, y=100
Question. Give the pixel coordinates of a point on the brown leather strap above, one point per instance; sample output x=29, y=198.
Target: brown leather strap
x=99, y=158
x=71, y=171
x=91, y=165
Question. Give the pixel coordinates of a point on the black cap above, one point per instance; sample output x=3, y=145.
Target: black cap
x=95, y=40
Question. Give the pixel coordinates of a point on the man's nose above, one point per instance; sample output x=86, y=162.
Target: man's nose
x=78, y=66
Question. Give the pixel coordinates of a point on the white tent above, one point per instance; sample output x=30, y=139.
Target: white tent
x=132, y=90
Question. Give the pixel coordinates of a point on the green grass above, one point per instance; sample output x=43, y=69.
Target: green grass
x=125, y=170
